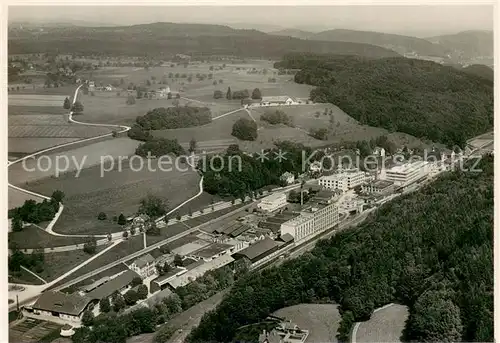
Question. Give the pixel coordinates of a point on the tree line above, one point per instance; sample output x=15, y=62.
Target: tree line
x=430, y=250
x=421, y=98
x=254, y=174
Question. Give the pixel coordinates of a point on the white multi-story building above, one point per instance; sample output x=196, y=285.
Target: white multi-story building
x=407, y=173
x=317, y=217
x=272, y=202
x=343, y=180
x=144, y=266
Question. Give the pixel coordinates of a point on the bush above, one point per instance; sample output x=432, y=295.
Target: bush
x=218, y=94
x=164, y=334
x=130, y=100
x=245, y=129
x=121, y=219
x=101, y=216
x=90, y=247
x=277, y=117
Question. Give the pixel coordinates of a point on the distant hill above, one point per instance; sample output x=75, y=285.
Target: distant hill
x=468, y=43
x=293, y=33
x=398, y=43
x=172, y=38
x=480, y=70
x=421, y=98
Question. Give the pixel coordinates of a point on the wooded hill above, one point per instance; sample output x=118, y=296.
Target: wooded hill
x=431, y=250
x=164, y=39
x=421, y=98
x=469, y=43
x=395, y=42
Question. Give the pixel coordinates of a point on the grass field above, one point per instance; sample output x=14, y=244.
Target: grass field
x=131, y=245
x=14, y=110
x=58, y=263
x=66, y=90
x=114, y=193
x=108, y=272
x=25, y=278
x=50, y=126
x=33, y=237
x=385, y=325
x=36, y=100
x=24, y=146
x=86, y=156
x=322, y=320
x=17, y=198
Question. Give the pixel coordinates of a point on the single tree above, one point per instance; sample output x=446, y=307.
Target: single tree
x=77, y=107
x=125, y=234
x=90, y=246
x=218, y=94
x=256, y=94
x=88, y=318
x=177, y=96
x=178, y=260
x=130, y=297
x=17, y=223
x=142, y=292
x=58, y=195
x=118, y=303
x=136, y=281
x=121, y=219
x=104, y=305
x=229, y=95
x=192, y=145
x=101, y=216
x=67, y=103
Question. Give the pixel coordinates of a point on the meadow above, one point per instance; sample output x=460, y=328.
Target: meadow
x=114, y=193
x=385, y=325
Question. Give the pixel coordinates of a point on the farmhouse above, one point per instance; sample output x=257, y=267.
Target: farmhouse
x=95, y=284
x=144, y=266
x=278, y=100
x=64, y=306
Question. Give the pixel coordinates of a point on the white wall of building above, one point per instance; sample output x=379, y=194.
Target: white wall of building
x=272, y=202
x=342, y=181
x=407, y=173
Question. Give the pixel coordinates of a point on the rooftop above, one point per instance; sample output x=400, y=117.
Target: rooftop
x=143, y=261
x=212, y=250
x=95, y=284
x=164, y=278
x=259, y=248
x=287, y=238
x=113, y=285
x=72, y=304
x=381, y=183
x=274, y=197
x=279, y=98
x=200, y=270
x=191, y=247
x=405, y=168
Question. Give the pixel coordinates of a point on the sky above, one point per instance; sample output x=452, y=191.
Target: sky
x=423, y=20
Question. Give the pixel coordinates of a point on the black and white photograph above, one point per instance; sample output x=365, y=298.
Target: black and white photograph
x=249, y=173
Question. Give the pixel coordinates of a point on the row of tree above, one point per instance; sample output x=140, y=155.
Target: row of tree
x=431, y=250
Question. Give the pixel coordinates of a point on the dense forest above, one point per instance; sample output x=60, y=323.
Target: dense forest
x=160, y=147
x=254, y=173
x=168, y=118
x=421, y=98
x=174, y=118
x=480, y=70
x=163, y=39
x=431, y=250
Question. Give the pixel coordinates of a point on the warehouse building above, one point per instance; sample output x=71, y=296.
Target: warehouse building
x=378, y=187
x=119, y=283
x=258, y=250
x=200, y=270
x=161, y=282
x=344, y=180
x=406, y=174
x=272, y=202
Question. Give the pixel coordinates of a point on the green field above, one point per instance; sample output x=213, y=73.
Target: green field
x=114, y=193
x=33, y=237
